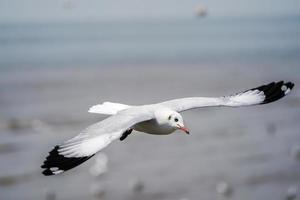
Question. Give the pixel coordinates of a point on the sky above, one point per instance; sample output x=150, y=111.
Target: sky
x=74, y=10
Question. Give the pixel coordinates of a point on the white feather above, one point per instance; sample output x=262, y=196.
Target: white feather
x=101, y=134
x=108, y=108
x=250, y=97
x=88, y=146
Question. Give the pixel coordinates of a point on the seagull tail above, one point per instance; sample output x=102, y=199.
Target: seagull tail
x=56, y=163
x=108, y=108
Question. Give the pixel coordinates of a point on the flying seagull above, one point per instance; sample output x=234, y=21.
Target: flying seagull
x=159, y=119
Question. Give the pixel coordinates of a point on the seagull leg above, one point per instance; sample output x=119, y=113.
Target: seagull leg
x=125, y=134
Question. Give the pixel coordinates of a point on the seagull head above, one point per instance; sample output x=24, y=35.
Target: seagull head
x=175, y=120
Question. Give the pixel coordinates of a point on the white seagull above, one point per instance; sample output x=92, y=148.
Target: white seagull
x=159, y=119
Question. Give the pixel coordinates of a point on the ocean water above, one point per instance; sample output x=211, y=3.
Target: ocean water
x=270, y=41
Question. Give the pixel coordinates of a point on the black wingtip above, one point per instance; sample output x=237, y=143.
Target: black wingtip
x=290, y=85
x=47, y=172
x=56, y=163
x=275, y=90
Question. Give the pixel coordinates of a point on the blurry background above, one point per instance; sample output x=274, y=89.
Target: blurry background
x=58, y=58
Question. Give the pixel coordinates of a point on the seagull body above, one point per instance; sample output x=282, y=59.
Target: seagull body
x=160, y=125
x=160, y=119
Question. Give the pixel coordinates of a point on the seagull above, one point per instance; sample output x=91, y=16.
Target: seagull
x=159, y=119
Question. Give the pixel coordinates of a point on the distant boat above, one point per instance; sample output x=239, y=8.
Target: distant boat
x=201, y=11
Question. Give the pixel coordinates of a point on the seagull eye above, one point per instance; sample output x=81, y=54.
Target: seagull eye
x=169, y=117
x=176, y=119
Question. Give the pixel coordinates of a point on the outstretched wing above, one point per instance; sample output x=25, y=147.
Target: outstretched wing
x=96, y=137
x=260, y=95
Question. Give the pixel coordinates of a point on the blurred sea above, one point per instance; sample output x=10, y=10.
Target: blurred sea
x=51, y=73
x=272, y=41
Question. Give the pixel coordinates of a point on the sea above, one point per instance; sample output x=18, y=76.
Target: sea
x=257, y=40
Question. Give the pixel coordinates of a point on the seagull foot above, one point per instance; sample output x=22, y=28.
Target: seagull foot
x=125, y=134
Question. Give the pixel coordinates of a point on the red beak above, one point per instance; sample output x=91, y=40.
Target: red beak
x=184, y=129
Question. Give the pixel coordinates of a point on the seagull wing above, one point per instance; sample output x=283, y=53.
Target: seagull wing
x=260, y=95
x=96, y=137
